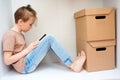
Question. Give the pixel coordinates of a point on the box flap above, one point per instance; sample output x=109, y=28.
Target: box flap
x=104, y=43
x=95, y=11
x=79, y=14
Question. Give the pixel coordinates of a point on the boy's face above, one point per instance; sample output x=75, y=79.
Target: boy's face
x=26, y=26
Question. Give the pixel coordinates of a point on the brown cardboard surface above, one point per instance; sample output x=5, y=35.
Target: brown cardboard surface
x=104, y=43
x=97, y=29
x=96, y=37
x=100, y=57
x=93, y=11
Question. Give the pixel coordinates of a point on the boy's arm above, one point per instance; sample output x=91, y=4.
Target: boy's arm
x=9, y=58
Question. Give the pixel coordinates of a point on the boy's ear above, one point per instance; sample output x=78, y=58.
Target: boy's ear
x=20, y=21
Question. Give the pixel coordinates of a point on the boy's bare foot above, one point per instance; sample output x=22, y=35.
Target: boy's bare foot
x=77, y=64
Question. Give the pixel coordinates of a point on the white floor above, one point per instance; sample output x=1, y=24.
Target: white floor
x=55, y=71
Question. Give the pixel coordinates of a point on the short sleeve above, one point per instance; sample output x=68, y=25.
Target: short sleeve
x=8, y=42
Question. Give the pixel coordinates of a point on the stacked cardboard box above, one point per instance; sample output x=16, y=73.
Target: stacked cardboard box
x=95, y=34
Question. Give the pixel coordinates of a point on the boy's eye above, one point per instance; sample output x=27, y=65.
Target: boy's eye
x=30, y=24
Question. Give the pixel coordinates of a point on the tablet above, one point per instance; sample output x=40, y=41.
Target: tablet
x=42, y=37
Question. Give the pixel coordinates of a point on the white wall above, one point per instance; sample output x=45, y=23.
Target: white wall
x=5, y=23
x=116, y=3
x=56, y=17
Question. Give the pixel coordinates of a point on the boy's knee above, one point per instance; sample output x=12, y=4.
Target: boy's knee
x=50, y=36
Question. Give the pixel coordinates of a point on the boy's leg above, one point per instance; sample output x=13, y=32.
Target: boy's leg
x=36, y=56
x=33, y=59
x=75, y=65
x=59, y=51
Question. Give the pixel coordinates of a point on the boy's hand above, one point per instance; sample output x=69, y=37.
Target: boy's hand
x=32, y=45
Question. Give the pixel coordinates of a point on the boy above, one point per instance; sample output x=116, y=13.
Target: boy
x=26, y=59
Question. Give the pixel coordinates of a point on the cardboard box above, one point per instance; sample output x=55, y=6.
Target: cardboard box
x=95, y=34
x=100, y=55
x=98, y=24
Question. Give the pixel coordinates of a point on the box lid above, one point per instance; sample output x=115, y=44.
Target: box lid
x=104, y=43
x=95, y=11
